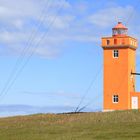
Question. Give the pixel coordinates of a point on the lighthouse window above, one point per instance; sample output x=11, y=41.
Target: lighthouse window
x=108, y=42
x=115, y=53
x=115, y=41
x=115, y=98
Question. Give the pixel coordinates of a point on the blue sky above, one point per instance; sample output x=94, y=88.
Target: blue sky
x=68, y=56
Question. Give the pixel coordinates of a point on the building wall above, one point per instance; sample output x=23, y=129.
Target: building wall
x=117, y=71
x=121, y=41
x=131, y=68
x=116, y=79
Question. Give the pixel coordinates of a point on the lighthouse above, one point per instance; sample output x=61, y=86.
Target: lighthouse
x=119, y=70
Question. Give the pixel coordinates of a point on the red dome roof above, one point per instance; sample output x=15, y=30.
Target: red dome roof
x=120, y=26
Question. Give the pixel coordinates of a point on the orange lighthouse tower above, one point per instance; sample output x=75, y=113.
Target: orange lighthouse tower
x=119, y=70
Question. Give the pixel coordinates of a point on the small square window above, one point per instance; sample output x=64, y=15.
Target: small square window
x=108, y=42
x=115, y=98
x=115, y=53
x=115, y=41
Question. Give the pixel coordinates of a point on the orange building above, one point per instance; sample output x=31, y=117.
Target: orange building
x=119, y=70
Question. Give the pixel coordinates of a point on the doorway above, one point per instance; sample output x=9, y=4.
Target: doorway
x=134, y=102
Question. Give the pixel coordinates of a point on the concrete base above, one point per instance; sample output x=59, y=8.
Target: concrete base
x=107, y=110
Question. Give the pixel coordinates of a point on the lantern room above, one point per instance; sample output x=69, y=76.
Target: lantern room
x=119, y=30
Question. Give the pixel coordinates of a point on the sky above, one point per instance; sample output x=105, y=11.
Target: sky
x=51, y=55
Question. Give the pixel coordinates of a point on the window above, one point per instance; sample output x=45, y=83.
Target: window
x=108, y=42
x=134, y=43
x=119, y=32
x=115, y=98
x=115, y=53
x=115, y=41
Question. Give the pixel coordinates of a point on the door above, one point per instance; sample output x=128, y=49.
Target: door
x=134, y=102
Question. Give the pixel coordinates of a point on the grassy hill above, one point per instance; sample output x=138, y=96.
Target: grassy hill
x=122, y=125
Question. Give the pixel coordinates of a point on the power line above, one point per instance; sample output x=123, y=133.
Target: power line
x=132, y=13
x=25, y=49
x=127, y=21
x=119, y=86
x=90, y=102
x=35, y=48
x=89, y=87
x=37, y=45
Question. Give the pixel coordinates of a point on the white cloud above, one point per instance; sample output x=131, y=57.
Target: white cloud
x=61, y=22
x=18, y=23
x=60, y=93
x=18, y=19
x=14, y=8
x=106, y=17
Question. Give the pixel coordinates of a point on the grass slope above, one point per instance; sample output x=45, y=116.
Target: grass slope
x=122, y=125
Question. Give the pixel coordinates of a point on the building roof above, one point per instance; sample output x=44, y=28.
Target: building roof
x=120, y=26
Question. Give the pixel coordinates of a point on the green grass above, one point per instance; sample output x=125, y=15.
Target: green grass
x=120, y=125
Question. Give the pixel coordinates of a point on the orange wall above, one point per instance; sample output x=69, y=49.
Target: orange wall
x=117, y=72
x=131, y=68
x=122, y=40
x=114, y=82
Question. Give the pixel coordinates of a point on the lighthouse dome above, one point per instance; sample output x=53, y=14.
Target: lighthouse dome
x=119, y=30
